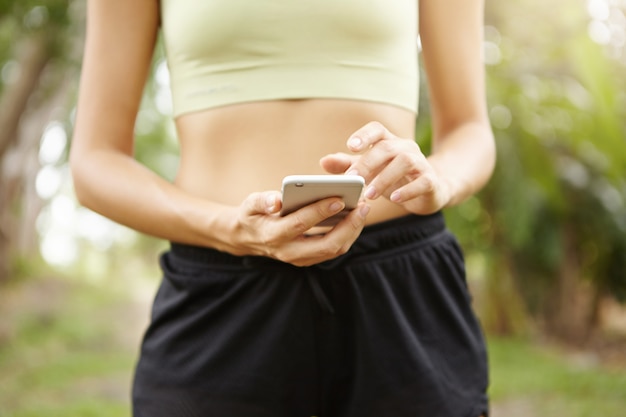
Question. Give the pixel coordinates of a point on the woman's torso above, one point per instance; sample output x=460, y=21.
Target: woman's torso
x=265, y=90
x=232, y=151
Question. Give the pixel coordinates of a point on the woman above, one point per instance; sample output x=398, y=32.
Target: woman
x=255, y=316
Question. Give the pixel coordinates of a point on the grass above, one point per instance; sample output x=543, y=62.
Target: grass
x=60, y=354
x=68, y=349
x=547, y=381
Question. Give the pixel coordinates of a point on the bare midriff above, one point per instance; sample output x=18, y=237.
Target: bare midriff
x=228, y=152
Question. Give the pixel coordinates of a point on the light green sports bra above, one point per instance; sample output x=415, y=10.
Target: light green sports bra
x=222, y=52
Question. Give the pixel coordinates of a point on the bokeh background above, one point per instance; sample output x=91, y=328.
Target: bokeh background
x=545, y=242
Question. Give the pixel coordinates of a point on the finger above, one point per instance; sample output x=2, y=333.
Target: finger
x=339, y=240
x=318, y=248
x=356, y=218
x=372, y=161
x=302, y=220
x=337, y=163
x=383, y=153
x=367, y=136
x=266, y=202
x=426, y=184
x=403, y=168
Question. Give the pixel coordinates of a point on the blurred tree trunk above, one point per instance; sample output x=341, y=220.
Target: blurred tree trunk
x=53, y=107
x=34, y=54
x=504, y=312
x=571, y=308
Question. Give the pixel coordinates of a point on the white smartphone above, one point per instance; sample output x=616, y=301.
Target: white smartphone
x=302, y=190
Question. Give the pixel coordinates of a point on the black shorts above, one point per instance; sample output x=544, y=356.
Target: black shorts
x=385, y=330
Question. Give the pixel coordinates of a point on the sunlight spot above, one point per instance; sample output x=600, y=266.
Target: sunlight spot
x=58, y=245
x=48, y=181
x=500, y=116
x=618, y=36
x=611, y=198
x=491, y=53
x=162, y=74
x=36, y=17
x=598, y=9
x=593, y=156
x=146, y=121
x=63, y=212
x=533, y=87
x=163, y=95
x=492, y=34
x=577, y=94
x=53, y=143
x=11, y=71
x=599, y=32
x=97, y=229
x=574, y=172
x=58, y=249
x=163, y=101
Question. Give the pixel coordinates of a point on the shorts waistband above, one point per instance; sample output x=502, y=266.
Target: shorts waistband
x=397, y=232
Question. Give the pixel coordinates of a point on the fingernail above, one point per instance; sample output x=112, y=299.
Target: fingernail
x=395, y=196
x=355, y=143
x=352, y=171
x=336, y=206
x=370, y=192
x=364, y=210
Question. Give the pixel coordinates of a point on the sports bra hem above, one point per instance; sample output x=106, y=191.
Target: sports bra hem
x=212, y=90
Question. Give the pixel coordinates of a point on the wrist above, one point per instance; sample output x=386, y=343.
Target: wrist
x=208, y=224
x=454, y=192
x=453, y=188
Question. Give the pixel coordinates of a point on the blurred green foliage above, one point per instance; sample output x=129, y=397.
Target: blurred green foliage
x=65, y=355
x=554, y=213
x=25, y=17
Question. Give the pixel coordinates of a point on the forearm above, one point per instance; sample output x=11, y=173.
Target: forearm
x=464, y=159
x=116, y=186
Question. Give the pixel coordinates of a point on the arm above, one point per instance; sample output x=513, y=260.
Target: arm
x=463, y=146
x=463, y=154
x=120, y=40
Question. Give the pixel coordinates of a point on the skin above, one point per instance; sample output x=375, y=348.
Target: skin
x=226, y=196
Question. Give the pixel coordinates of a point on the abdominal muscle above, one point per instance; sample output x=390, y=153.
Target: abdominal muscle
x=229, y=152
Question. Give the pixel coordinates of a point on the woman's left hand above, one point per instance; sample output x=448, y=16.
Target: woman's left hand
x=393, y=167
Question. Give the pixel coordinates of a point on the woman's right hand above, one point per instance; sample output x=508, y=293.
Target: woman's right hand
x=260, y=230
